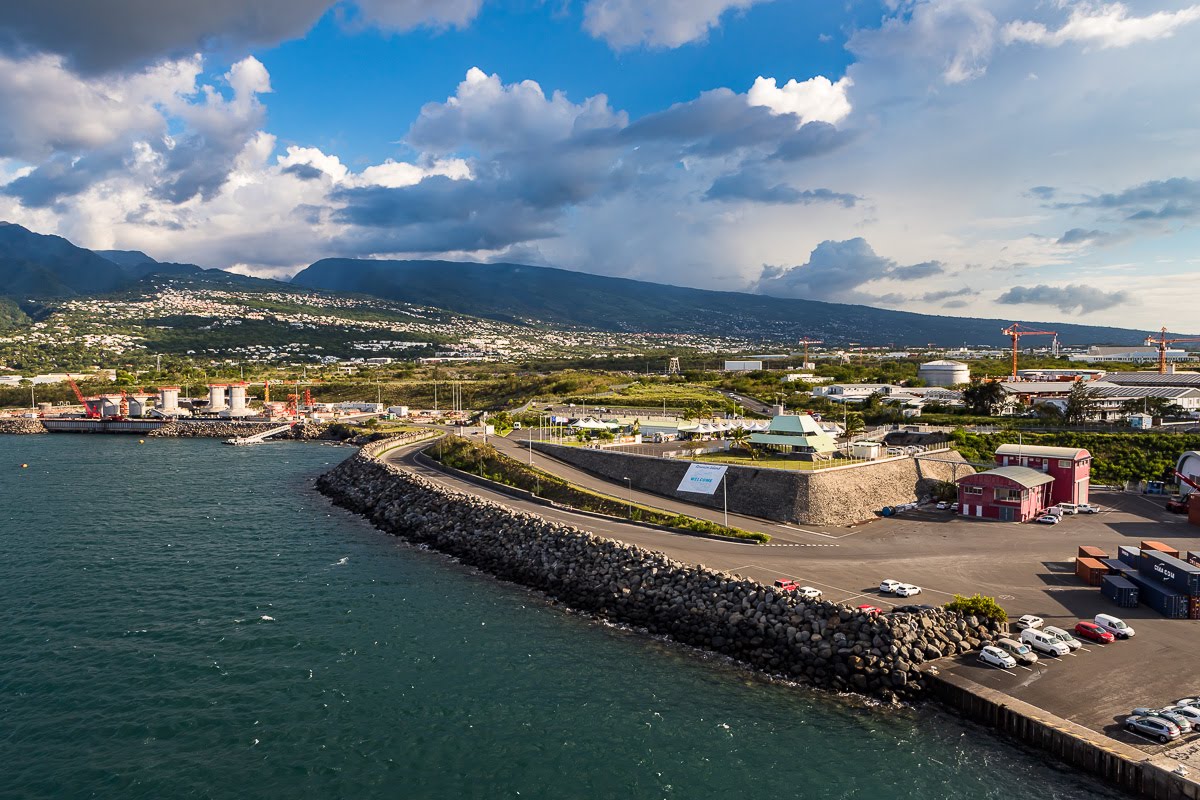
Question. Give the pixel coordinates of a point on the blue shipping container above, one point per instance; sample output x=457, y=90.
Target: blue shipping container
x=1179, y=575
x=1165, y=601
x=1129, y=555
x=1120, y=591
x=1115, y=567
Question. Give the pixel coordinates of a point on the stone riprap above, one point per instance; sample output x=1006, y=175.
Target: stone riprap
x=227, y=429
x=817, y=643
x=21, y=426
x=835, y=496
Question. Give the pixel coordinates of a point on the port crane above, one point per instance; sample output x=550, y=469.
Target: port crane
x=1015, y=332
x=89, y=409
x=806, y=342
x=1162, y=341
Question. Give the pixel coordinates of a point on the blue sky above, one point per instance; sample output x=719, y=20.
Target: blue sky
x=1019, y=160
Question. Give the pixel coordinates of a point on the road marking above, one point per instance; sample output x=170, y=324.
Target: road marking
x=1022, y=666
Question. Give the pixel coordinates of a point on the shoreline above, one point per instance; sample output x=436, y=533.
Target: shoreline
x=465, y=527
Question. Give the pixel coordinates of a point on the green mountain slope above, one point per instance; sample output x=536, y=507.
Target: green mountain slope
x=517, y=292
x=33, y=265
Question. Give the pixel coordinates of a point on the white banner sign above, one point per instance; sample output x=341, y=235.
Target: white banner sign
x=702, y=478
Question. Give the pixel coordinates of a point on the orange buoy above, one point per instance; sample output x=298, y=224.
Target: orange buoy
x=24, y=466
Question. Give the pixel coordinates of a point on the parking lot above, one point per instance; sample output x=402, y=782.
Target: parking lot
x=1029, y=569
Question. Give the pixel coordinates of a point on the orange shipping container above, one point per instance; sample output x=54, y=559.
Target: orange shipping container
x=1087, y=551
x=1090, y=571
x=1160, y=547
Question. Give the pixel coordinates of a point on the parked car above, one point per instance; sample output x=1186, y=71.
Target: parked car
x=943, y=506
x=907, y=590
x=1067, y=508
x=1177, y=505
x=866, y=608
x=1188, y=712
x=914, y=608
x=1063, y=636
x=787, y=584
x=1093, y=632
x=1179, y=720
x=888, y=586
x=1030, y=621
x=1114, y=625
x=996, y=657
x=1044, y=642
x=808, y=593
x=1188, y=701
x=1018, y=650
x=1087, y=508
x=1154, y=727
x=1049, y=519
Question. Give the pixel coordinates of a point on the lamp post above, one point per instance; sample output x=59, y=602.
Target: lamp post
x=725, y=491
x=629, y=494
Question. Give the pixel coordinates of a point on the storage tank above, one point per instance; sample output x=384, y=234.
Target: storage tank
x=110, y=405
x=237, y=400
x=216, y=396
x=944, y=373
x=168, y=399
x=1189, y=465
x=139, y=404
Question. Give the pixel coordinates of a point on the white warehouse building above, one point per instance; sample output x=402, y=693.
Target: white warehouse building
x=944, y=373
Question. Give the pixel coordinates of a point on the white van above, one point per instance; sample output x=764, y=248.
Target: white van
x=1068, y=508
x=1044, y=642
x=1114, y=625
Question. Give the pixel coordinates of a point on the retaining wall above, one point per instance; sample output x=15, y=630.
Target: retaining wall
x=818, y=643
x=834, y=496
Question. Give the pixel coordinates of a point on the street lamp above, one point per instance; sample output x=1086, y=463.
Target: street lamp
x=629, y=495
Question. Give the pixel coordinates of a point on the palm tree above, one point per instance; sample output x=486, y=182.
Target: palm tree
x=739, y=437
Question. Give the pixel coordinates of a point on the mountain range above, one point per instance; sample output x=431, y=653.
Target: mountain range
x=39, y=267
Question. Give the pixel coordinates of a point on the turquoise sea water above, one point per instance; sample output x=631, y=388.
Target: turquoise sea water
x=186, y=619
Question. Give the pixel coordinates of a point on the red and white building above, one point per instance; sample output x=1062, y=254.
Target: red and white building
x=1071, y=468
x=1009, y=494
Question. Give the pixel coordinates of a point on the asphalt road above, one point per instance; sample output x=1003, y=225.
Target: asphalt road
x=1028, y=568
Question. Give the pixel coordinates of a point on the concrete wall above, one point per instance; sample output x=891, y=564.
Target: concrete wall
x=835, y=496
x=1111, y=761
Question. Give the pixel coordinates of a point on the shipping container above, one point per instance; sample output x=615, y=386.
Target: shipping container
x=1193, y=558
x=1194, y=608
x=1129, y=555
x=1090, y=571
x=1162, y=599
x=1115, y=567
x=1160, y=547
x=1120, y=590
x=1087, y=551
x=1180, y=576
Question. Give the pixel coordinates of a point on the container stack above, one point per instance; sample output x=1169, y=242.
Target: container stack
x=1120, y=590
x=1154, y=574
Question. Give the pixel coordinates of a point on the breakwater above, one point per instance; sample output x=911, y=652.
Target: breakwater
x=831, y=496
x=18, y=425
x=817, y=643
x=228, y=429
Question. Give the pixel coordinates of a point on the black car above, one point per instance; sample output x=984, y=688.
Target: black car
x=914, y=609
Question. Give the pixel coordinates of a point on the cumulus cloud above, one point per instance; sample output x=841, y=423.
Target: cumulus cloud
x=655, y=23
x=835, y=270
x=954, y=39
x=1103, y=25
x=1068, y=299
x=1174, y=198
x=814, y=100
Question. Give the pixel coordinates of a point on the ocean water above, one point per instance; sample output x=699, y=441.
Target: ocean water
x=184, y=619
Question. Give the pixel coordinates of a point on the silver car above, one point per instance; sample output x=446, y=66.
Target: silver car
x=1180, y=720
x=1154, y=727
x=1063, y=636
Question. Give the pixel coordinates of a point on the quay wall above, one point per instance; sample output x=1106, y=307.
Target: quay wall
x=821, y=644
x=1113, y=762
x=833, y=496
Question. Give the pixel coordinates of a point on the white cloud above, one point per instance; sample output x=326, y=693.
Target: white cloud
x=624, y=24
x=816, y=99
x=953, y=39
x=1104, y=25
x=395, y=174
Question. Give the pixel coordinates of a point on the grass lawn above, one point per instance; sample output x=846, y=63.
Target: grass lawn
x=770, y=463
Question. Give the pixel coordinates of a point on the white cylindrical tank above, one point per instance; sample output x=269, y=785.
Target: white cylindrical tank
x=168, y=399
x=216, y=396
x=237, y=397
x=944, y=373
x=139, y=404
x=1189, y=466
x=110, y=405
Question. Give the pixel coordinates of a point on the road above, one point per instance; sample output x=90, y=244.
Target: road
x=1028, y=568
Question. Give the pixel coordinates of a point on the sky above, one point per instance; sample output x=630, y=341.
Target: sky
x=1035, y=160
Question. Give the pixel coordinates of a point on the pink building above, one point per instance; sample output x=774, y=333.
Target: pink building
x=1070, y=467
x=1009, y=494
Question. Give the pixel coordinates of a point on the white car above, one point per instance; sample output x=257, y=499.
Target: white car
x=942, y=506
x=1044, y=642
x=1063, y=636
x=996, y=657
x=1087, y=508
x=1030, y=621
x=1188, y=712
x=1114, y=625
x=888, y=586
x=907, y=590
x=1049, y=519
x=808, y=593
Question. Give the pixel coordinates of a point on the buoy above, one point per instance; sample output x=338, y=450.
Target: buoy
x=24, y=466
x=141, y=441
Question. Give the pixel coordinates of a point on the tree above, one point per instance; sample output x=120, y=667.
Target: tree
x=854, y=423
x=984, y=397
x=739, y=437
x=1082, y=404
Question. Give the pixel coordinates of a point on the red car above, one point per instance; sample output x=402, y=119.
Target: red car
x=786, y=585
x=869, y=609
x=1093, y=632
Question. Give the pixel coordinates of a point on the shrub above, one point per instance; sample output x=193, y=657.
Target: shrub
x=978, y=605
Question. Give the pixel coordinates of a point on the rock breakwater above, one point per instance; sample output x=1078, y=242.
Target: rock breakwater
x=22, y=426
x=227, y=429
x=818, y=643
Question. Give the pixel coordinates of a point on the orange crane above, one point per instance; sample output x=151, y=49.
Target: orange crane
x=1015, y=331
x=266, y=391
x=806, y=342
x=1162, y=341
x=89, y=409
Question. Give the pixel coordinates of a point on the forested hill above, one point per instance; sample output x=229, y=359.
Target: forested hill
x=517, y=292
